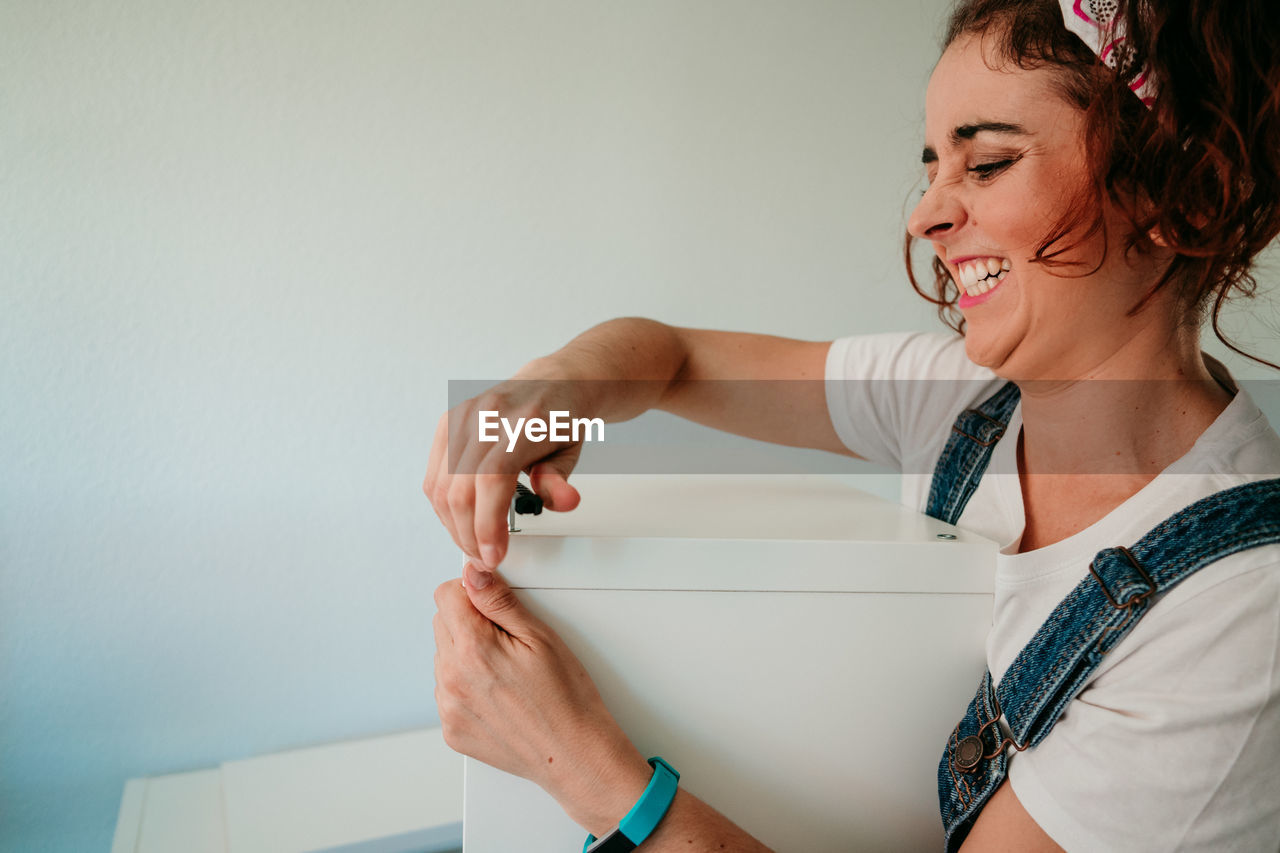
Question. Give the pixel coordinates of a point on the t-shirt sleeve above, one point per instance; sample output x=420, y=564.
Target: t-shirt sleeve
x=1173, y=745
x=893, y=396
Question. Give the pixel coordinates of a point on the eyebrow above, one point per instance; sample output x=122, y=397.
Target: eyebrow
x=966, y=132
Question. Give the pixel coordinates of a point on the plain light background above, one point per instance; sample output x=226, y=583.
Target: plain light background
x=243, y=248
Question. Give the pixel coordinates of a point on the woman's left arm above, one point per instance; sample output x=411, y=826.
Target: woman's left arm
x=511, y=694
x=1004, y=824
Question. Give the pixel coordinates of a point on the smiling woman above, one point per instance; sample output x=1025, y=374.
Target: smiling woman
x=1195, y=173
x=1101, y=175
x=1007, y=177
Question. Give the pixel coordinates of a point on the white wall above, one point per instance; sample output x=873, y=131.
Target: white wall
x=245, y=245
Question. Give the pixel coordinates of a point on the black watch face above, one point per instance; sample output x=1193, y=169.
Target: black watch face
x=614, y=842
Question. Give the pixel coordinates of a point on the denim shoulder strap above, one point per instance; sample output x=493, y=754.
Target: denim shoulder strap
x=1085, y=625
x=967, y=453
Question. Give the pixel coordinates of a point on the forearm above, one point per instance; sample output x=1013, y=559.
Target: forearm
x=691, y=824
x=597, y=796
x=624, y=366
x=760, y=386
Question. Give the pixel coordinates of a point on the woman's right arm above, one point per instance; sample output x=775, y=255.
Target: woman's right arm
x=760, y=386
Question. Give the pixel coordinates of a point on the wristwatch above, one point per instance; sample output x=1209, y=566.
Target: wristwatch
x=644, y=816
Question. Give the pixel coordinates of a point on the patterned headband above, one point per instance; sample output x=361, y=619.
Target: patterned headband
x=1095, y=22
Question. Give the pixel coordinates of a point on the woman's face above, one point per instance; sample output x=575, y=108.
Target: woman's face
x=1005, y=159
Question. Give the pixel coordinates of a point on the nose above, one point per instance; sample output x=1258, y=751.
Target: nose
x=938, y=214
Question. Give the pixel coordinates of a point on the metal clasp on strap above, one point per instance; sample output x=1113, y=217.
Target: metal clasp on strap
x=969, y=752
x=993, y=428
x=1133, y=599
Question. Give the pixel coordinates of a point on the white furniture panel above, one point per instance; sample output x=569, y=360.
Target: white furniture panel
x=400, y=790
x=178, y=811
x=798, y=650
x=399, y=793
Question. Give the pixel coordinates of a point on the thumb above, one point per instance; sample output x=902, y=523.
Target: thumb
x=550, y=479
x=494, y=599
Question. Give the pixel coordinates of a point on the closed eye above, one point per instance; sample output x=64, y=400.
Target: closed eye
x=985, y=171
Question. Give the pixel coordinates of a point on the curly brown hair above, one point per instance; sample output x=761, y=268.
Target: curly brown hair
x=1200, y=168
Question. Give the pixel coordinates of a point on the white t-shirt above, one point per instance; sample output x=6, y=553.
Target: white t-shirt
x=1174, y=744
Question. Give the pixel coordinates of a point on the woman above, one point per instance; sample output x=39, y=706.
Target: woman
x=1085, y=216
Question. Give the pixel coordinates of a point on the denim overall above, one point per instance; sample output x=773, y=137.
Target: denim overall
x=1085, y=625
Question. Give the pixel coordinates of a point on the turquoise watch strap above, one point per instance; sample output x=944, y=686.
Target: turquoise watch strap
x=645, y=815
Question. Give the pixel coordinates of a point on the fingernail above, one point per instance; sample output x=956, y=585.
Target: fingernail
x=477, y=578
x=489, y=553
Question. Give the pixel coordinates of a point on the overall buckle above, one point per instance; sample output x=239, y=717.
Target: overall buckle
x=1142, y=574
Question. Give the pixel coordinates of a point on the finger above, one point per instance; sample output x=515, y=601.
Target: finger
x=492, y=506
x=445, y=597
x=461, y=463
x=463, y=623
x=490, y=595
x=444, y=640
x=437, y=482
x=474, y=459
x=462, y=498
x=439, y=449
x=550, y=479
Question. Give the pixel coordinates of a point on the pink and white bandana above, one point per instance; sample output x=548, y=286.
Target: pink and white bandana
x=1094, y=21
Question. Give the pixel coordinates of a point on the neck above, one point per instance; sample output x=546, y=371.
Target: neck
x=1132, y=413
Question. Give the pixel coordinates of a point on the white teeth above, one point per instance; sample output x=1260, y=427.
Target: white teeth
x=979, y=276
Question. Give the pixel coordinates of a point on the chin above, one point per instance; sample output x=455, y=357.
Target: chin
x=976, y=349
x=984, y=352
